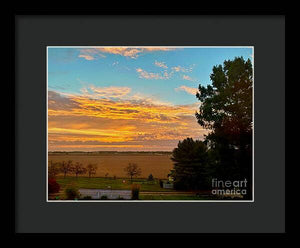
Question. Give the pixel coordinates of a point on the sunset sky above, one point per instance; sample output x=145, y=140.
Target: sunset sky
x=127, y=98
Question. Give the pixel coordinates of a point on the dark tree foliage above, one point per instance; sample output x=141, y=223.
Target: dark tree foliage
x=190, y=165
x=226, y=109
x=227, y=103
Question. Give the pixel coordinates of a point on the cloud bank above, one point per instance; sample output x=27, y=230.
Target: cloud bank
x=111, y=118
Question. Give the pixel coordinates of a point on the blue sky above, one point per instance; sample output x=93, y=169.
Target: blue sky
x=140, y=76
x=69, y=73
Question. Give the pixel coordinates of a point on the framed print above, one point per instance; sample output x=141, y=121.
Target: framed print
x=134, y=123
x=149, y=124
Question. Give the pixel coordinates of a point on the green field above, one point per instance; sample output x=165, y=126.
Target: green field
x=149, y=190
x=108, y=183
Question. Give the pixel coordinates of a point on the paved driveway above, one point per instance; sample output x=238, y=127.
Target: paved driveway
x=110, y=193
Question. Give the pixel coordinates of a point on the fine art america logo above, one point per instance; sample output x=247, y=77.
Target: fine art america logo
x=231, y=188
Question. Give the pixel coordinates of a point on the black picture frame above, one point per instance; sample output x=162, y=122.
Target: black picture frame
x=16, y=135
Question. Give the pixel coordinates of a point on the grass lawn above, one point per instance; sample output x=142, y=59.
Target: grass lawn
x=108, y=183
x=118, y=184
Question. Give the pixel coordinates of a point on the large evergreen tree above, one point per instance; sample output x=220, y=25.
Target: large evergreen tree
x=190, y=165
x=226, y=109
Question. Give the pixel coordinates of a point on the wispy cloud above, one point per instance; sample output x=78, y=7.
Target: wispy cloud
x=105, y=92
x=186, y=77
x=183, y=69
x=90, y=54
x=187, y=89
x=151, y=75
x=161, y=64
x=166, y=73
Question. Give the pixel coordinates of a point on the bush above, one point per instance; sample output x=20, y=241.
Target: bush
x=53, y=186
x=161, y=183
x=87, y=197
x=150, y=177
x=72, y=193
x=104, y=197
x=135, y=190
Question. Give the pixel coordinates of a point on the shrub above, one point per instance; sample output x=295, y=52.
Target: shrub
x=87, y=197
x=150, y=177
x=72, y=193
x=135, y=190
x=53, y=186
x=104, y=197
x=161, y=183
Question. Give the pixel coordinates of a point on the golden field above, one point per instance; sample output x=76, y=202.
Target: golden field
x=113, y=163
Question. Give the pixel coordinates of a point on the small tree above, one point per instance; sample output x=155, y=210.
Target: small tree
x=91, y=169
x=53, y=169
x=66, y=167
x=133, y=170
x=78, y=169
x=150, y=177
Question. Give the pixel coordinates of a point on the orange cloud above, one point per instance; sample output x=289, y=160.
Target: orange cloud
x=81, y=121
x=131, y=52
x=124, y=51
x=90, y=54
x=87, y=57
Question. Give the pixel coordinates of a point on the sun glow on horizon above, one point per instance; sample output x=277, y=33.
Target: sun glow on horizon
x=127, y=98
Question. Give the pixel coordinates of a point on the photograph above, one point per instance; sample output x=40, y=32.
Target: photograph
x=150, y=124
